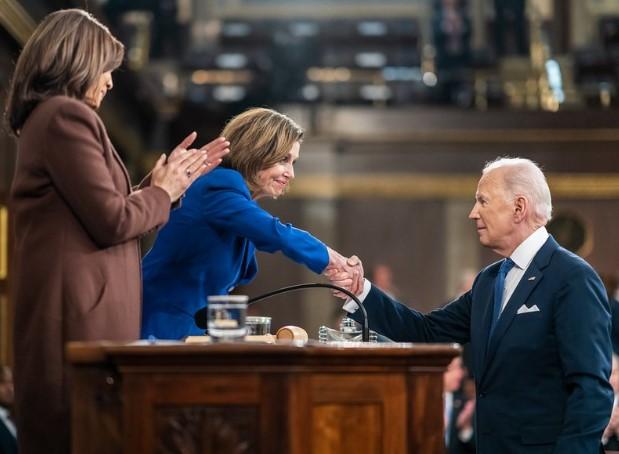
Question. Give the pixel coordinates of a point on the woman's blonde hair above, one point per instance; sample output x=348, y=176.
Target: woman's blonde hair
x=259, y=138
x=66, y=54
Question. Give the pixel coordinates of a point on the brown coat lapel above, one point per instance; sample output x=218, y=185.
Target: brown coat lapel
x=76, y=274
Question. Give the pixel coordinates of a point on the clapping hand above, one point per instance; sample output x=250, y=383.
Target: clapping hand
x=208, y=156
x=345, y=272
x=175, y=173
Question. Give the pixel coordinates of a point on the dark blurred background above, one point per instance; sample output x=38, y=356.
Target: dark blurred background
x=403, y=103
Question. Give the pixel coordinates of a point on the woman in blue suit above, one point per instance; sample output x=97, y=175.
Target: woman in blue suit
x=208, y=246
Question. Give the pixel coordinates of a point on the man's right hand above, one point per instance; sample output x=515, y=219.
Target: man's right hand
x=345, y=272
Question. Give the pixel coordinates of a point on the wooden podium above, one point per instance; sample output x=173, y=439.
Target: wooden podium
x=258, y=398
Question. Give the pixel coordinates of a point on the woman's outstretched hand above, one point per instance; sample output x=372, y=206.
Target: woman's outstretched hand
x=345, y=272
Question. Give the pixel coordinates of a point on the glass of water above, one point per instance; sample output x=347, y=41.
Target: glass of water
x=258, y=326
x=226, y=317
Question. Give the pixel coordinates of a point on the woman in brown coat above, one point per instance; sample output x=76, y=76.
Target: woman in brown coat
x=76, y=218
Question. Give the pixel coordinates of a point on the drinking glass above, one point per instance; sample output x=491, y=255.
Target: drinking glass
x=226, y=317
x=258, y=326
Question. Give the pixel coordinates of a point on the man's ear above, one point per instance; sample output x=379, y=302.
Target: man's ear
x=521, y=208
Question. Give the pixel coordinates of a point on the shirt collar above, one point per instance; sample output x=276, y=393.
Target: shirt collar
x=524, y=253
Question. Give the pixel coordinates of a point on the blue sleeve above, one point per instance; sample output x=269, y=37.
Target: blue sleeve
x=403, y=324
x=582, y=325
x=228, y=207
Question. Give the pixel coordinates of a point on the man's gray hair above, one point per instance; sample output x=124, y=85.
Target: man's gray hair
x=524, y=177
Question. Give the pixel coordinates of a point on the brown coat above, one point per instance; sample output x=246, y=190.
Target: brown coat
x=76, y=274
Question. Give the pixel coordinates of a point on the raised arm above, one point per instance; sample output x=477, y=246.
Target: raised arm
x=228, y=206
x=74, y=158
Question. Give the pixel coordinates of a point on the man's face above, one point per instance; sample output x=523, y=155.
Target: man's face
x=614, y=374
x=6, y=387
x=493, y=214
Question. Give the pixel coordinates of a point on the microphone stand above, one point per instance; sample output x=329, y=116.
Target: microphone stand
x=365, y=330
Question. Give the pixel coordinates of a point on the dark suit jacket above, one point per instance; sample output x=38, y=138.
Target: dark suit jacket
x=455, y=445
x=542, y=380
x=76, y=271
x=614, y=334
x=8, y=443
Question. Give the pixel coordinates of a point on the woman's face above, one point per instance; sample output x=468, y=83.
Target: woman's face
x=95, y=94
x=273, y=182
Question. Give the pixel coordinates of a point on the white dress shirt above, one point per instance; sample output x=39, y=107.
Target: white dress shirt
x=522, y=257
x=448, y=399
x=4, y=417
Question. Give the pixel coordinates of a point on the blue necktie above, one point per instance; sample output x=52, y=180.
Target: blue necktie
x=499, y=287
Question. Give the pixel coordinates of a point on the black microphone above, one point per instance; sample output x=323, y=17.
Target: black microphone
x=200, y=316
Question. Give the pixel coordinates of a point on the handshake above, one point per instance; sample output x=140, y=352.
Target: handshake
x=346, y=272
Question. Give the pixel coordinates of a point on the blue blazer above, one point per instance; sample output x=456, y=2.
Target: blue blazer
x=542, y=380
x=208, y=247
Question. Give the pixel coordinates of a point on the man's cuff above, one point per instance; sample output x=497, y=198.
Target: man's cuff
x=465, y=435
x=350, y=306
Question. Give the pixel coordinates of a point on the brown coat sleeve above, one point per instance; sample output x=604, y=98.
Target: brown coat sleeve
x=146, y=183
x=75, y=157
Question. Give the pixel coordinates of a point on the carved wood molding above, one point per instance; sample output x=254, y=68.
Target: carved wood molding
x=206, y=430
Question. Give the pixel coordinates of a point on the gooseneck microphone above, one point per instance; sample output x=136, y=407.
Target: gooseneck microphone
x=200, y=316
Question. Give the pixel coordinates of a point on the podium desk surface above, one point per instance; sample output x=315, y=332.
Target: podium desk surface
x=439, y=354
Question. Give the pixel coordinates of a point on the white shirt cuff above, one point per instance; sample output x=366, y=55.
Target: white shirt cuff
x=465, y=435
x=350, y=306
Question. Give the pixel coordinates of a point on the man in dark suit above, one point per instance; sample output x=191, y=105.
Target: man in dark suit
x=541, y=349
x=8, y=440
x=612, y=290
x=458, y=409
x=614, y=334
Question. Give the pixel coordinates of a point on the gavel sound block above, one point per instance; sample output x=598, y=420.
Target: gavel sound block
x=284, y=334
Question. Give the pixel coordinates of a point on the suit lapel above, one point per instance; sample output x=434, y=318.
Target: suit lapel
x=518, y=298
x=109, y=146
x=487, y=303
x=525, y=287
x=122, y=166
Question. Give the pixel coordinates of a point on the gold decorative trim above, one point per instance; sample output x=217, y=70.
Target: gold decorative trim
x=441, y=186
x=482, y=136
x=5, y=340
x=585, y=186
x=4, y=242
x=564, y=234
x=325, y=10
x=16, y=20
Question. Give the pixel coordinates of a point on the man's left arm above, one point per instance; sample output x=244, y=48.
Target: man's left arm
x=582, y=323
